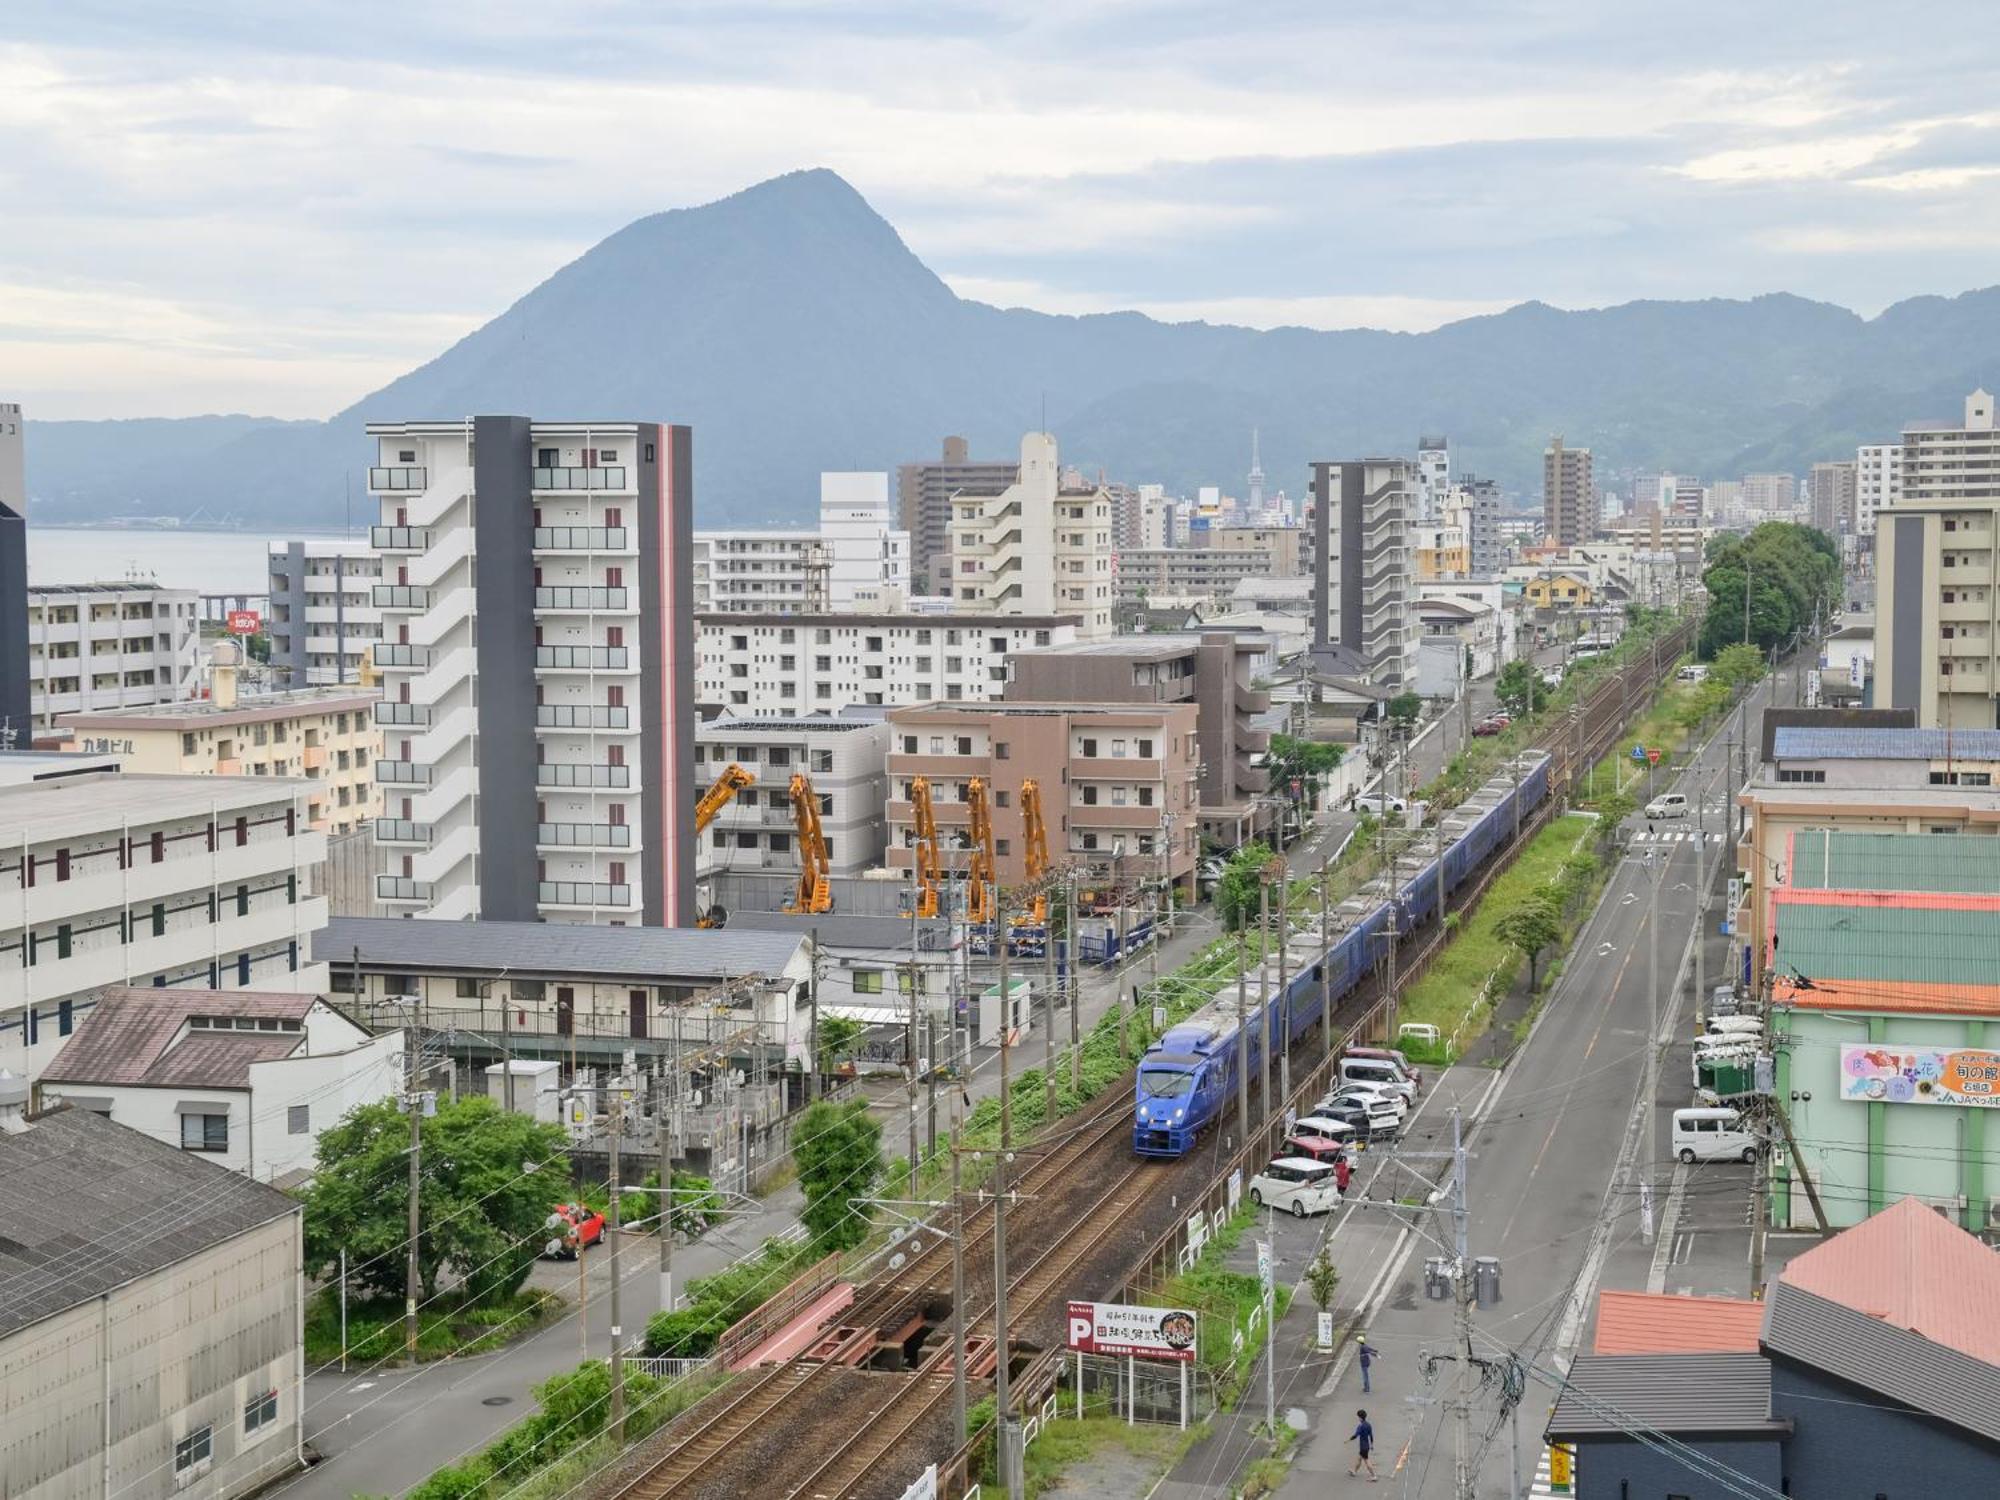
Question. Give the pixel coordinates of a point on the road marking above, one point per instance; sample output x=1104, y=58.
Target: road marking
x=1670, y=1220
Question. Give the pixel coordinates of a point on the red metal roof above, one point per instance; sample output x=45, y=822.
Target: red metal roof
x=1657, y=1323
x=1900, y=996
x=1915, y=1269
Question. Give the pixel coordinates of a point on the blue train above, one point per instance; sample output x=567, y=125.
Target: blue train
x=1188, y=1076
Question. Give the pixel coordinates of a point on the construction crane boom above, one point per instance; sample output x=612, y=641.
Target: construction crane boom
x=815, y=869
x=924, y=853
x=717, y=797
x=1035, y=844
x=980, y=895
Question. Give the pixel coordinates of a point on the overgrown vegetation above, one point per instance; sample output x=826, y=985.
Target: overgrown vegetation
x=838, y=1148
x=453, y=1324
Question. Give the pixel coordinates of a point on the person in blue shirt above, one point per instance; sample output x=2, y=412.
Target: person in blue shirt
x=1364, y=1435
x=1367, y=1362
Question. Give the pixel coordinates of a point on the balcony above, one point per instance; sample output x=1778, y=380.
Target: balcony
x=395, y=654
x=581, y=774
x=1109, y=815
x=582, y=893
x=583, y=835
x=401, y=888
x=399, y=538
x=1114, y=768
x=398, y=480
x=577, y=600
x=402, y=773
x=612, y=478
x=401, y=831
x=582, y=658
x=400, y=596
x=580, y=539
x=582, y=716
x=406, y=714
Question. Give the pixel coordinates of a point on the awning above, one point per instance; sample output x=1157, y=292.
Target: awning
x=202, y=1107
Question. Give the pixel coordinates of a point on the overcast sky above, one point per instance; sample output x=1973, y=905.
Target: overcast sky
x=275, y=206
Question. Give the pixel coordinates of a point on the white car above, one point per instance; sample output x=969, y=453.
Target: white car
x=1668, y=805
x=1297, y=1184
x=1381, y=804
x=1380, y=1106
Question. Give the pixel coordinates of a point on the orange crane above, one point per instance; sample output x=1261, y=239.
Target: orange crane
x=815, y=869
x=733, y=780
x=981, y=896
x=924, y=854
x=1035, y=846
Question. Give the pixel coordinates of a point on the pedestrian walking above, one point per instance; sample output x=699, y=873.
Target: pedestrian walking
x=1364, y=1435
x=1367, y=1362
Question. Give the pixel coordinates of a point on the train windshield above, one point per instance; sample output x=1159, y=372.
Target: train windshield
x=1164, y=1085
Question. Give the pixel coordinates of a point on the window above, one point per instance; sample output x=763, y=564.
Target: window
x=187, y=744
x=193, y=1450
x=965, y=744
x=204, y=1132
x=260, y=1411
x=867, y=981
x=1089, y=796
x=298, y=1119
x=1813, y=778
x=1145, y=749
x=1089, y=841
x=1090, y=749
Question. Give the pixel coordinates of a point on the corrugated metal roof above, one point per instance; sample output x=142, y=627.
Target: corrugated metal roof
x=1679, y=1393
x=1869, y=936
x=1797, y=742
x=1660, y=1323
x=86, y=1205
x=660, y=954
x=1829, y=859
x=1890, y=996
x=1912, y=1267
x=128, y=1038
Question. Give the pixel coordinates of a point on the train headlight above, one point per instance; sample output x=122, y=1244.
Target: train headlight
x=1144, y=1114
x=1177, y=1115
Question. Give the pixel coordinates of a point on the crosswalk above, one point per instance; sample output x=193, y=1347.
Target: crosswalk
x=1652, y=835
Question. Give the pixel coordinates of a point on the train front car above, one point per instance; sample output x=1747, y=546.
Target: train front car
x=1170, y=1095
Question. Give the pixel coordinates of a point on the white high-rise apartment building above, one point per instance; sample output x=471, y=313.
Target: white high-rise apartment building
x=1040, y=547
x=856, y=560
x=97, y=646
x=1878, y=481
x=1433, y=478
x=323, y=620
x=1942, y=462
x=867, y=555
x=843, y=757
x=538, y=670
x=1363, y=572
x=197, y=882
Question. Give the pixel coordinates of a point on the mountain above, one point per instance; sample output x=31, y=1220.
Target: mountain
x=794, y=330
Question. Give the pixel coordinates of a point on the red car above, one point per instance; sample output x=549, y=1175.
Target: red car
x=573, y=1228
x=1492, y=724
x=1329, y=1153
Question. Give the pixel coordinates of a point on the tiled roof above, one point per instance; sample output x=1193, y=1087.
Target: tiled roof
x=1674, y=1393
x=1914, y=1268
x=1656, y=1323
x=128, y=1035
x=86, y=1205
x=1799, y=742
x=659, y=954
x=1829, y=859
x=1927, y=938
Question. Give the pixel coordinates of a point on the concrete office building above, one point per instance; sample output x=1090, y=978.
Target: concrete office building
x=842, y=757
x=856, y=560
x=788, y=665
x=323, y=619
x=1285, y=545
x=195, y=881
x=1042, y=546
x=149, y=1327
x=1830, y=496
x=1943, y=462
x=539, y=672
x=1878, y=482
x=325, y=736
x=1363, y=581
x=1472, y=507
x=98, y=646
x=1198, y=572
x=1770, y=492
x=1215, y=670
x=1569, y=494
x=1433, y=478
x=924, y=495
x=1119, y=783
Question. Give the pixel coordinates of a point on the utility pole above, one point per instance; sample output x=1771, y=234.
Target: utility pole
x=411, y=1272
x=1463, y=1287
x=1047, y=900
x=1242, y=1040
x=1000, y=927
x=1118, y=968
x=1072, y=985
x=957, y=1281
x=617, y=1112
x=1649, y=1100
x=1264, y=998
x=666, y=1118
x=1326, y=956
x=1003, y=1402
x=1006, y=1050
x=1395, y=1005
x=812, y=1043
x=1284, y=984
x=1701, y=894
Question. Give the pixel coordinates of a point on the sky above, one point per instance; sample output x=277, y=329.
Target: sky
x=276, y=206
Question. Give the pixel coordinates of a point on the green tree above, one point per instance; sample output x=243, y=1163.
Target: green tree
x=488, y=1182
x=1404, y=708
x=1737, y=666
x=1613, y=808
x=1533, y=925
x=1520, y=688
x=838, y=1147
x=1303, y=761
x=1578, y=871
x=837, y=1034
x=1236, y=892
x=1322, y=1280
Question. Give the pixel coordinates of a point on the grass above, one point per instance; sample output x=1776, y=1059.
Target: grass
x=449, y=1326
x=1265, y=1475
x=1068, y=1443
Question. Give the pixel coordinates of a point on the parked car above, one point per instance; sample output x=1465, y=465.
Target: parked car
x=1335, y=1132
x=1378, y=1071
x=1370, y=1094
x=1693, y=673
x=1356, y=1113
x=1392, y=1055
x=1492, y=724
x=1381, y=804
x=1712, y=1135
x=1327, y=1153
x=573, y=1228
x=1667, y=805
x=1297, y=1184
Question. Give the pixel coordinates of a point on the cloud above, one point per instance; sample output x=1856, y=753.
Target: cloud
x=1398, y=314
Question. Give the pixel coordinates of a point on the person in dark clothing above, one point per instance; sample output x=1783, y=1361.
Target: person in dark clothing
x=1364, y=1435
x=1367, y=1362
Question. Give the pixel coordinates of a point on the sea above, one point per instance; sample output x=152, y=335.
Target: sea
x=210, y=562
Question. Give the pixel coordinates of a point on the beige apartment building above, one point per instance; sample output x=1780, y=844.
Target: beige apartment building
x=325, y=736
x=1569, y=494
x=1041, y=546
x=1119, y=783
x=1285, y=545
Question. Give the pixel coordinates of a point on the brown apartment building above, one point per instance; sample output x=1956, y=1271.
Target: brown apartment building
x=924, y=493
x=1117, y=782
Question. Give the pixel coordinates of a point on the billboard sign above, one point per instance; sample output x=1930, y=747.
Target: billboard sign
x=1119, y=1328
x=244, y=622
x=1875, y=1073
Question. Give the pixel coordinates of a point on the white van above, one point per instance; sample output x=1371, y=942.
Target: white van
x=1712, y=1135
x=1379, y=1073
x=1297, y=1184
x=1667, y=805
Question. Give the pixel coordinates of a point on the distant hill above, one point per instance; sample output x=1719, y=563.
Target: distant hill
x=796, y=332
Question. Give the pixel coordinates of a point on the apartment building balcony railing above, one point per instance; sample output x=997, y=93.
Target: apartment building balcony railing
x=582, y=658
x=399, y=538
x=584, y=835
x=401, y=888
x=395, y=654
x=402, y=773
x=401, y=831
x=564, y=598
x=582, y=774
x=582, y=716
x=399, y=480
x=401, y=596
x=612, y=478
x=582, y=893
x=388, y=712
x=581, y=539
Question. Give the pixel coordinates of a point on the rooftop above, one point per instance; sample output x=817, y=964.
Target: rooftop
x=1889, y=996
x=1797, y=742
x=1674, y=1393
x=129, y=1038
x=67, y=805
x=656, y=954
x=1920, y=936
x=129, y=1206
x=1659, y=1323
x=107, y=586
x=814, y=723
x=1843, y=860
x=1020, y=710
x=1155, y=645
x=949, y=620
x=251, y=708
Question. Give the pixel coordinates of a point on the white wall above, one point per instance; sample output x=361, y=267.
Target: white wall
x=327, y=1086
